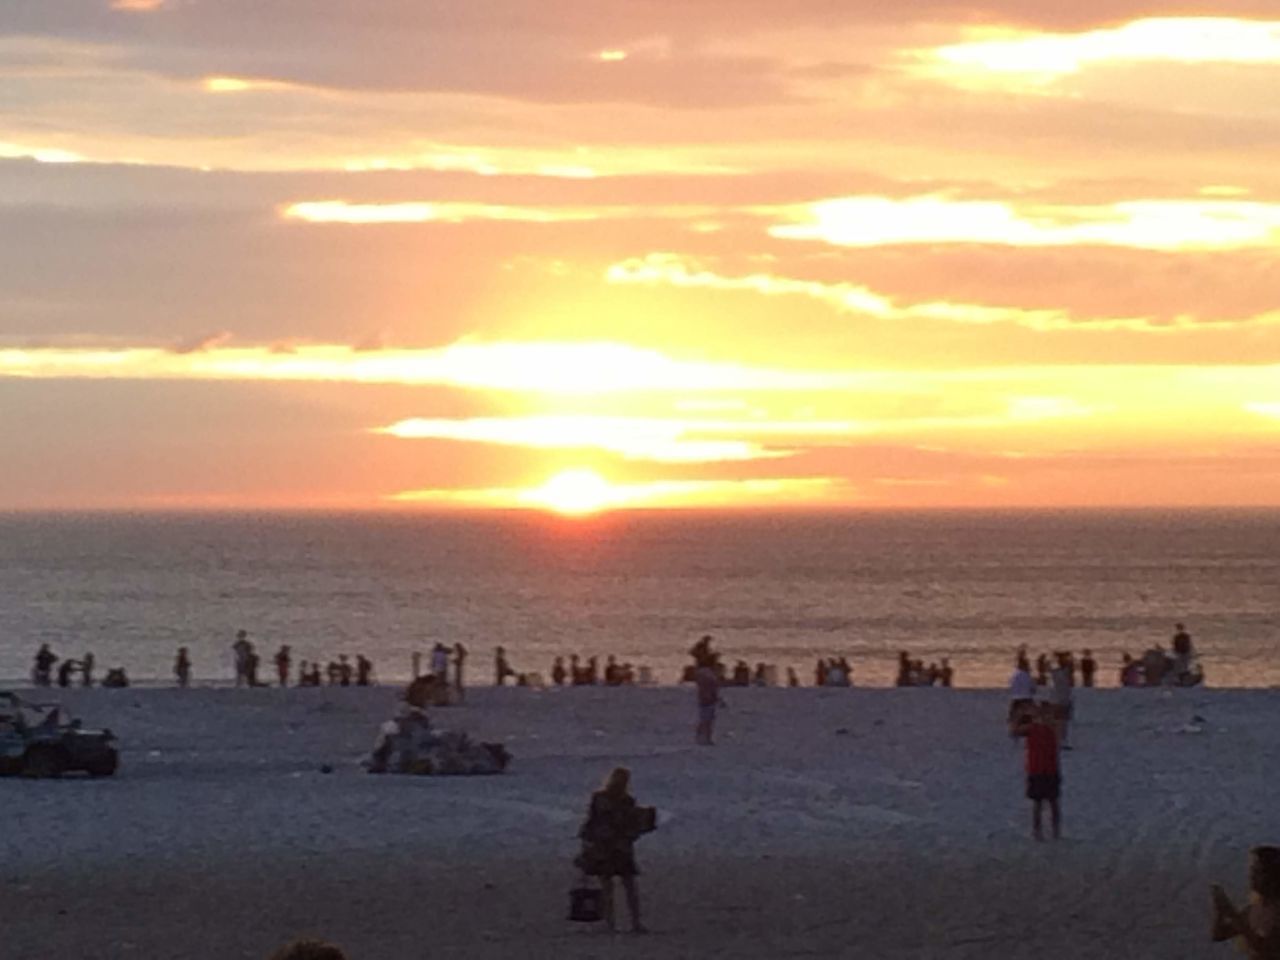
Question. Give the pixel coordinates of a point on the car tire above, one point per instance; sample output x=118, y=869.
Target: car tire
x=44, y=762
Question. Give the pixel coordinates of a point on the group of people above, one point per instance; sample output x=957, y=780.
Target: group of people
x=914, y=673
x=42, y=672
x=1158, y=667
x=587, y=673
x=339, y=673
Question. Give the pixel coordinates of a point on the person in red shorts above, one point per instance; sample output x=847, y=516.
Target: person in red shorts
x=1044, y=780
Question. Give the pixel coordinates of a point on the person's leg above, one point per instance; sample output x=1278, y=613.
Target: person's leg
x=633, y=903
x=606, y=902
x=1037, y=832
x=1055, y=816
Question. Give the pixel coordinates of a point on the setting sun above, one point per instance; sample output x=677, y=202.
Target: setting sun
x=574, y=493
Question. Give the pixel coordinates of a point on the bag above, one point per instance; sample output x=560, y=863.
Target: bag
x=586, y=902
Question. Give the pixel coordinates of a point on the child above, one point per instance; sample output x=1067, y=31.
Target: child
x=1044, y=781
x=1258, y=923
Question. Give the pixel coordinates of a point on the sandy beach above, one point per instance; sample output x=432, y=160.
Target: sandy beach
x=870, y=823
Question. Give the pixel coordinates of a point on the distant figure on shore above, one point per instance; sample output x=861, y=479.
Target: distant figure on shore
x=344, y=670
x=415, y=665
x=741, y=674
x=116, y=678
x=182, y=668
x=440, y=661
x=708, y=689
x=1022, y=694
x=86, y=670
x=459, y=662
x=1088, y=668
x=1044, y=781
x=284, y=660
x=1060, y=695
x=1042, y=671
x=946, y=675
x=1130, y=671
x=904, y=670
x=308, y=950
x=558, y=672
x=240, y=650
x=614, y=823
x=65, y=671
x=252, y=662
x=501, y=668
x=42, y=672
x=364, y=670
x=792, y=679
x=1257, y=924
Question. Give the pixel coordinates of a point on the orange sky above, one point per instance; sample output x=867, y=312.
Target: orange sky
x=576, y=255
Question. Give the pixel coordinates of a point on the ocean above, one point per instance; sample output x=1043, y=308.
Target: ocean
x=782, y=588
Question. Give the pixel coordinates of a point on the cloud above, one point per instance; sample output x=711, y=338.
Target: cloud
x=666, y=268
x=1046, y=56
x=1193, y=224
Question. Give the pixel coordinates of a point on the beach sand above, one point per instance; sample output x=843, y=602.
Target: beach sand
x=868, y=823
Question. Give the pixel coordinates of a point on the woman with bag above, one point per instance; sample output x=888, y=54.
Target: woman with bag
x=613, y=824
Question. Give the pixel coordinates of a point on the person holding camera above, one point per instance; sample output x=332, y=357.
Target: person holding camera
x=614, y=823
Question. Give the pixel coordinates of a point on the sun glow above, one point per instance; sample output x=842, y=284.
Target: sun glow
x=574, y=493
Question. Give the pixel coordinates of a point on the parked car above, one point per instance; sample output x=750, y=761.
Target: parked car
x=36, y=740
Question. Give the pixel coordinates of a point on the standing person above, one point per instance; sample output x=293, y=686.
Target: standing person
x=1042, y=671
x=65, y=671
x=1022, y=693
x=459, y=660
x=241, y=650
x=283, y=660
x=364, y=670
x=708, y=687
x=608, y=835
x=946, y=675
x=792, y=679
x=86, y=670
x=42, y=675
x=1044, y=781
x=1060, y=697
x=1088, y=668
x=251, y=664
x=1182, y=652
x=440, y=662
x=1257, y=925
x=501, y=668
x=182, y=668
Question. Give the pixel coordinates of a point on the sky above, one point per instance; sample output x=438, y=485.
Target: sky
x=590, y=254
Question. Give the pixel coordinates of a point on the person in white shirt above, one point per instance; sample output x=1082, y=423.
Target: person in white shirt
x=1022, y=692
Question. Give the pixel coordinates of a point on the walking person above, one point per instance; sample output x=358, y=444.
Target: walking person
x=608, y=835
x=182, y=668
